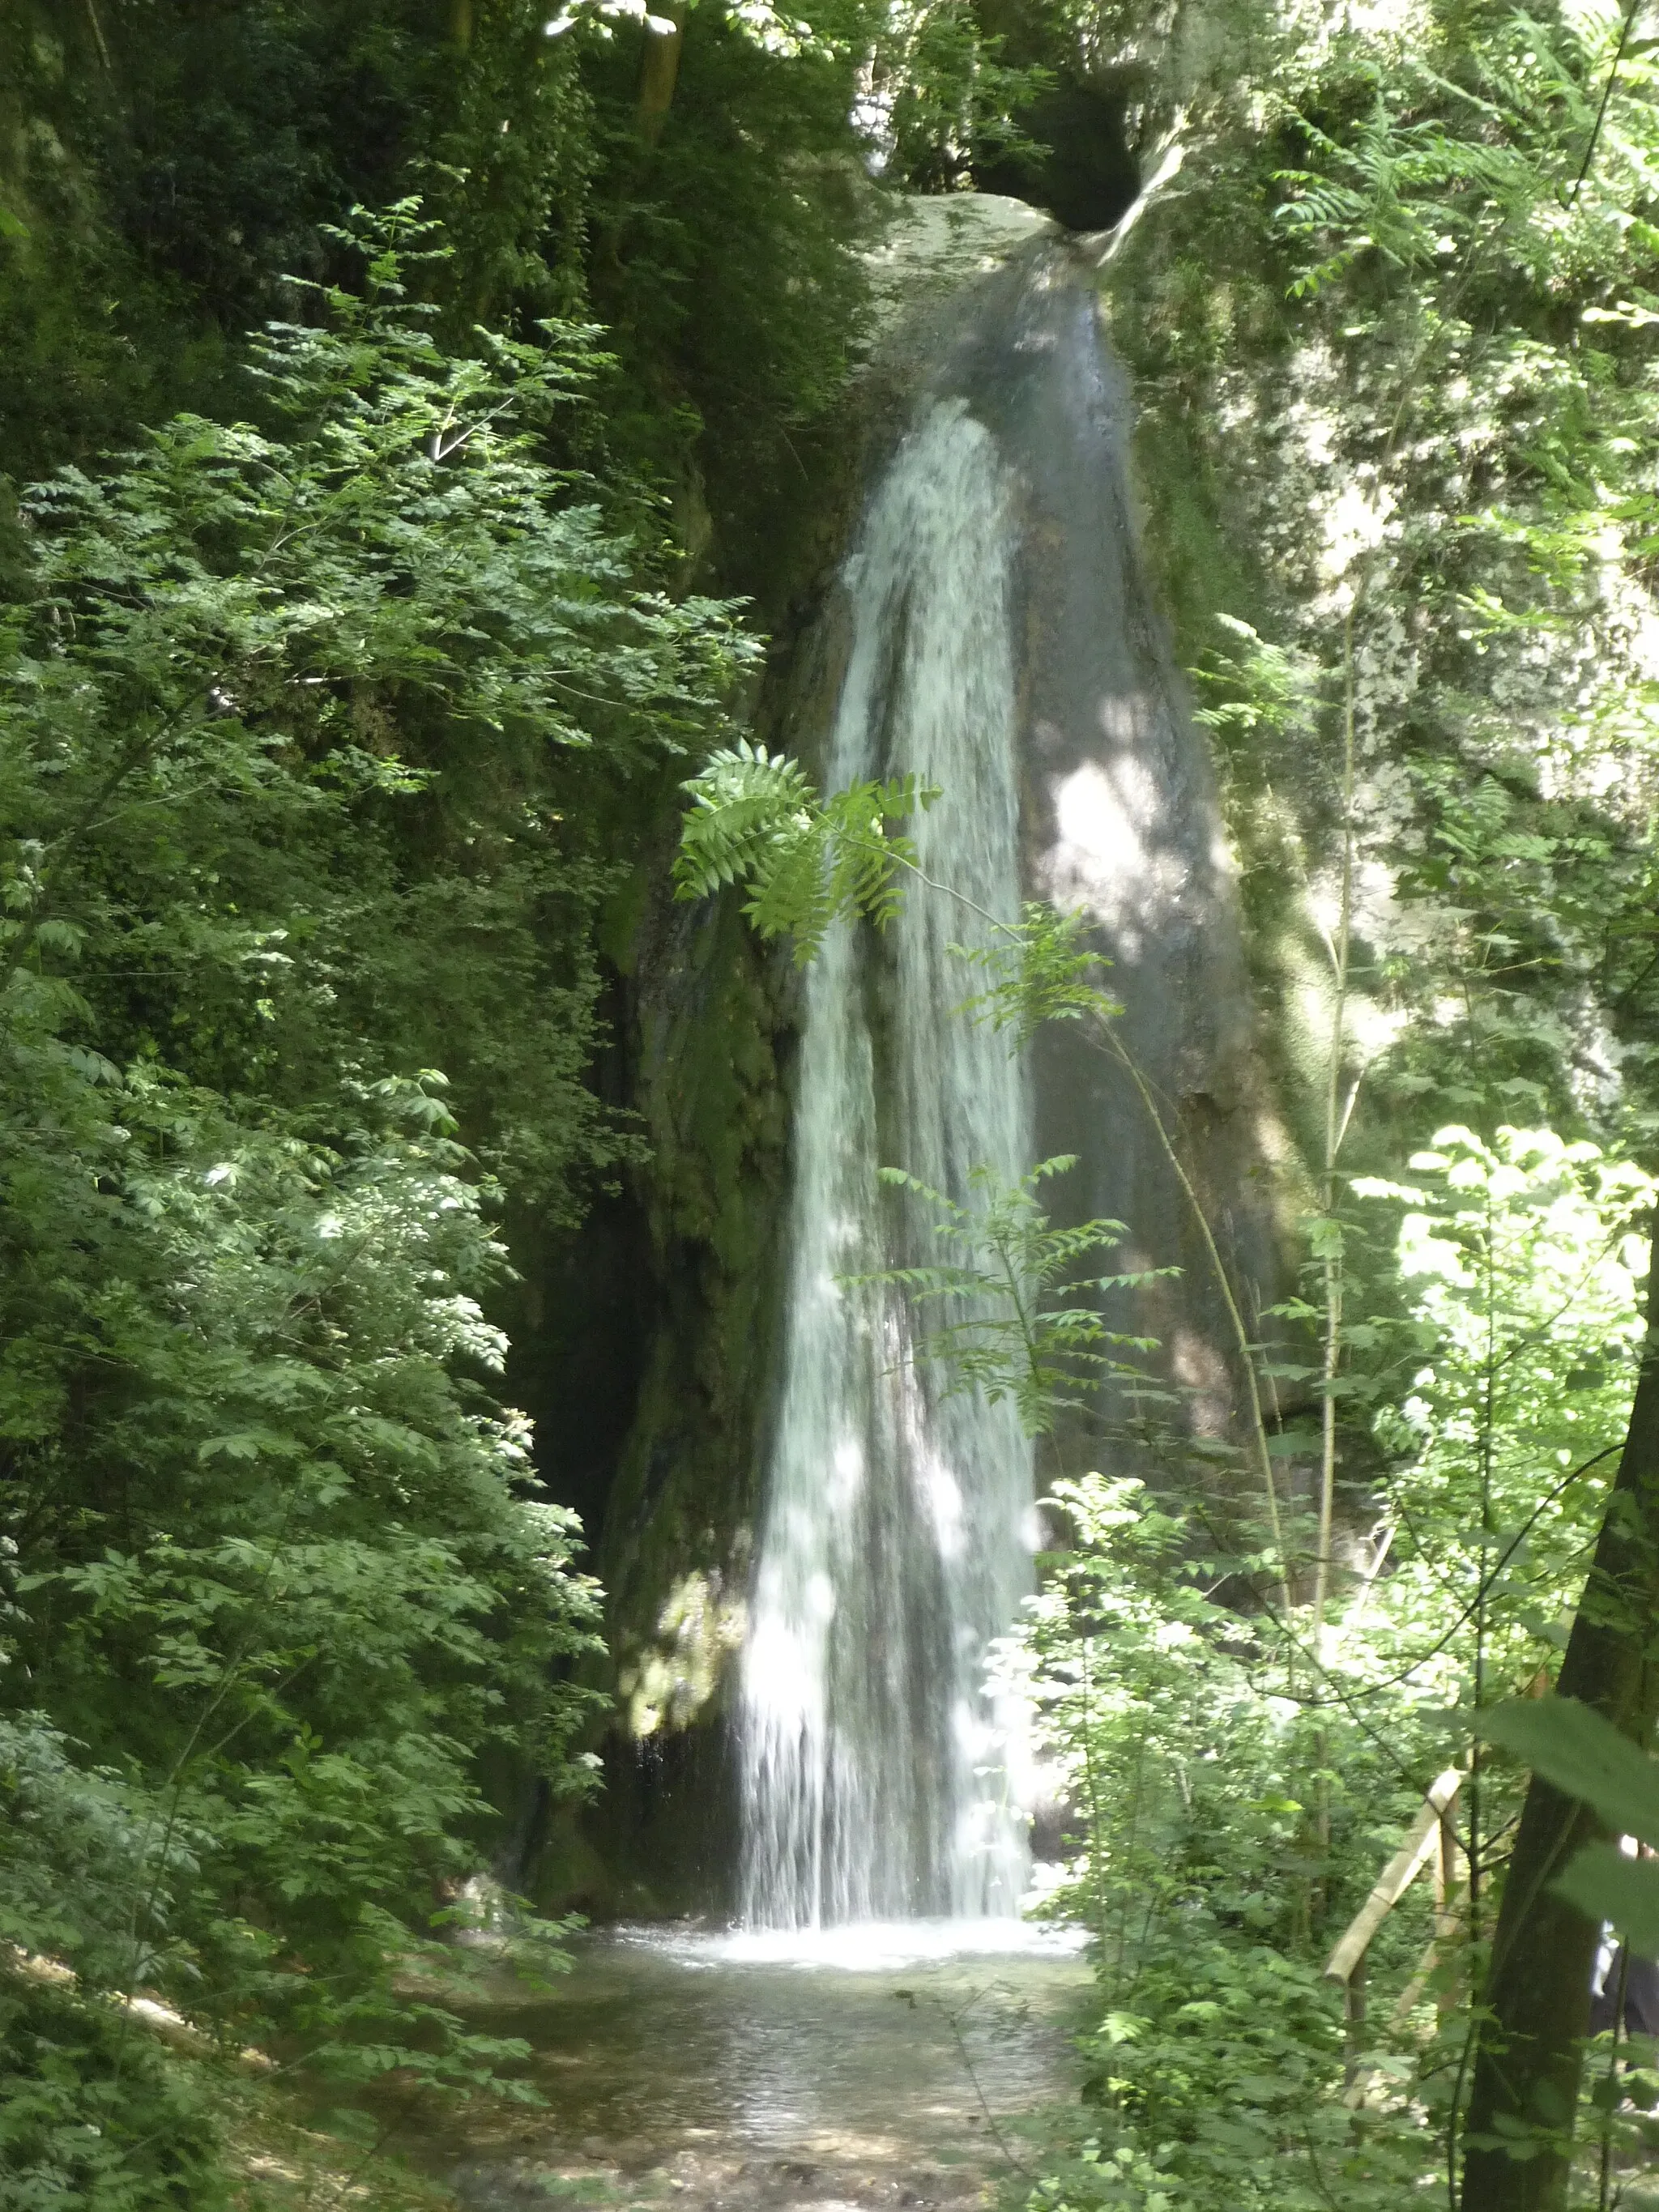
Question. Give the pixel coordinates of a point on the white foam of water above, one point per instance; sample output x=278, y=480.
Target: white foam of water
x=895, y=1543
x=864, y=1946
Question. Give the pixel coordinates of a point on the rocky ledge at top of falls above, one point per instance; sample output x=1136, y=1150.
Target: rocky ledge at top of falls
x=938, y=243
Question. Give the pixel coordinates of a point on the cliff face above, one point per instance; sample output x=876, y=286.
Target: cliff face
x=708, y=1027
x=1346, y=548
x=1120, y=815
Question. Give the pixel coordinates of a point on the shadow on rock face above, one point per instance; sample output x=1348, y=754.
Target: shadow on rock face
x=1084, y=174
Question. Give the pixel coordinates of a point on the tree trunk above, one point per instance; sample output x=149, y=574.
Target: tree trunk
x=1529, y=2052
x=659, y=68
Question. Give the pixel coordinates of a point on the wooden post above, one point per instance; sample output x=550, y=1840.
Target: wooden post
x=1354, y=2013
x=1446, y=1918
x=1430, y=1837
x=1447, y=1877
x=1422, y=1842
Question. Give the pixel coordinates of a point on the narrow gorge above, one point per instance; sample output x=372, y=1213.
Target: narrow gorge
x=990, y=631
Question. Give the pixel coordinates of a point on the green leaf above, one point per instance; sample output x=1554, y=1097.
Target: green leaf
x=756, y=821
x=1605, y=1885
x=1583, y=1755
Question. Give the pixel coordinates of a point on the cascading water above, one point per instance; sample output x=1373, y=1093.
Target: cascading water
x=1000, y=642
x=895, y=1541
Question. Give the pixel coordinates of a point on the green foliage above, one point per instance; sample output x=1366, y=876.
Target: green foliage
x=305, y=710
x=247, y=1488
x=169, y=172
x=1235, y=1792
x=1220, y=2075
x=1409, y=191
x=1214, y=2075
x=1272, y=688
x=1519, y=1262
x=1586, y=1757
x=1415, y=455
x=1039, y=969
x=172, y=168
x=755, y=821
x=1004, y=1263
x=1488, y=172
x=951, y=101
x=1381, y=324
x=304, y=733
x=725, y=260
x=1605, y=1885
x=1398, y=408
x=93, y=2113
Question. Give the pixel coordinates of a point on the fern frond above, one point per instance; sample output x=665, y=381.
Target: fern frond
x=756, y=820
x=1042, y=970
x=744, y=803
x=1004, y=1339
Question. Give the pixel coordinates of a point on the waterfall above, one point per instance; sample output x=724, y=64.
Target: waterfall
x=895, y=1538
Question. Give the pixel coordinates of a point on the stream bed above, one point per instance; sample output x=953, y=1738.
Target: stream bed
x=856, y=2070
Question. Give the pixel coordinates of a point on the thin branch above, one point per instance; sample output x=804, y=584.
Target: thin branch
x=1625, y=30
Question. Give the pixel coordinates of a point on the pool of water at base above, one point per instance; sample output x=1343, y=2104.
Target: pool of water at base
x=853, y=2071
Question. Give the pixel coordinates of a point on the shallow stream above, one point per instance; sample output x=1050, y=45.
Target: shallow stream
x=855, y=2071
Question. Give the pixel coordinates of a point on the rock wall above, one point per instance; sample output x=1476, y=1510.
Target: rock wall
x=707, y=1020
x=706, y=1030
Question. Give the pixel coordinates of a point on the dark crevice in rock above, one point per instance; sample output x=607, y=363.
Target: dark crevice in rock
x=1082, y=170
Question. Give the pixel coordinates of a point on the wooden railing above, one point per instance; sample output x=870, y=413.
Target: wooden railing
x=1430, y=1841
